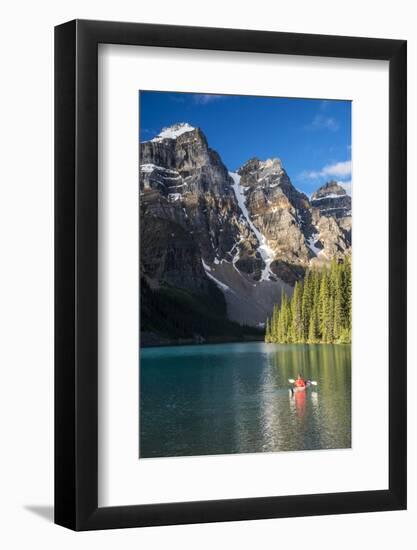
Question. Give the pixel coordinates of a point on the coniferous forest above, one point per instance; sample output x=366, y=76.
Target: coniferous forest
x=319, y=310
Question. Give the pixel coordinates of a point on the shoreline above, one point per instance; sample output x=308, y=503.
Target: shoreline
x=188, y=342
x=193, y=342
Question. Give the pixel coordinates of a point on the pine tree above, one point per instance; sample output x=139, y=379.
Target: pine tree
x=307, y=304
x=296, y=328
x=347, y=293
x=324, y=306
x=316, y=278
x=313, y=329
x=286, y=320
x=267, y=332
x=279, y=337
x=338, y=302
x=330, y=320
x=283, y=320
x=275, y=315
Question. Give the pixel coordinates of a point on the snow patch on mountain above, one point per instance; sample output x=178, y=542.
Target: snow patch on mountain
x=172, y=132
x=311, y=244
x=172, y=197
x=218, y=283
x=330, y=196
x=151, y=167
x=267, y=254
x=206, y=266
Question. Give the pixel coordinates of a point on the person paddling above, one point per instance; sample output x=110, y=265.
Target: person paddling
x=300, y=382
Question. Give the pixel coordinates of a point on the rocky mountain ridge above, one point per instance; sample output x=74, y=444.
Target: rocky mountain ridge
x=249, y=232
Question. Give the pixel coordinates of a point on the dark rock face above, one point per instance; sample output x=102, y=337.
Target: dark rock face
x=332, y=208
x=249, y=233
x=168, y=251
x=332, y=200
x=290, y=273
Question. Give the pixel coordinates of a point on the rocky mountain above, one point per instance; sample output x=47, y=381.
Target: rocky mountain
x=238, y=238
x=332, y=217
x=190, y=218
x=332, y=200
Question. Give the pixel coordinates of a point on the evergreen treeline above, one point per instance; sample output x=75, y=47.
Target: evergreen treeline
x=319, y=310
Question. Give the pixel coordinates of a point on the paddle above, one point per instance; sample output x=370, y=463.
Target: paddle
x=312, y=382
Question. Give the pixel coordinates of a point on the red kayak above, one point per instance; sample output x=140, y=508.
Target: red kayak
x=308, y=384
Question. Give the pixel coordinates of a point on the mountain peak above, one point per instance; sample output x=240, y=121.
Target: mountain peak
x=174, y=131
x=331, y=200
x=272, y=165
x=330, y=189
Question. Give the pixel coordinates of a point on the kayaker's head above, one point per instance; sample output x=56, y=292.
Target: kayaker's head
x=299, y=377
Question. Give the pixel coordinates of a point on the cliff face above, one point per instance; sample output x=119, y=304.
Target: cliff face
x=249, y=233
x=332, y=214
x=280, y=213
x=188, y=208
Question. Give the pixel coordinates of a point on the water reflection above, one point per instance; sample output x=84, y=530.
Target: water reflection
x=234, y=398
x=300, y=403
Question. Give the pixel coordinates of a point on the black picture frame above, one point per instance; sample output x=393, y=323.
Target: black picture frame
x=76, y=272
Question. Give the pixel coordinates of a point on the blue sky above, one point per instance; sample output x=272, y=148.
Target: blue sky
x=312, y=137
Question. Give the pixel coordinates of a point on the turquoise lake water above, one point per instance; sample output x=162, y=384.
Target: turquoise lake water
x=235, y=398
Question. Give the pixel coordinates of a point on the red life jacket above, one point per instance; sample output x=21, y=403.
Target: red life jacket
x=299, y=383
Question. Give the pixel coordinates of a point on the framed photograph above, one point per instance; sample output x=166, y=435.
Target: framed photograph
x=230, y=275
